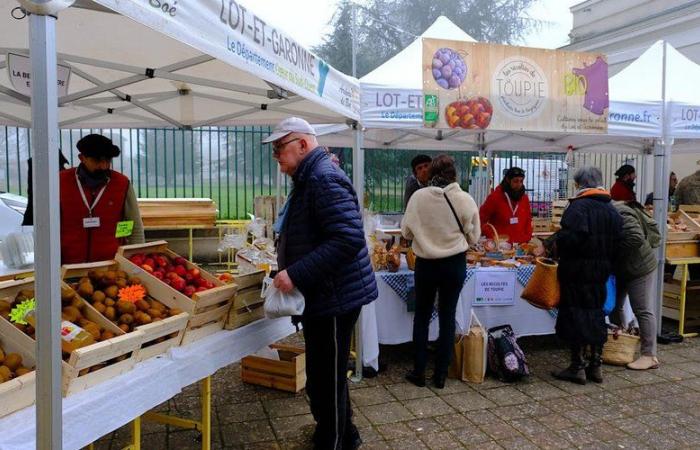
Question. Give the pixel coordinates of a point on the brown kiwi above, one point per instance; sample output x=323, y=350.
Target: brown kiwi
x=67, y=293
x=135, y=280
x=112, y=291
x=100, y=307
x=106, y=335
x=126, y=307
x=94, y=330
x=158, y=305
x=110, y=313
x=22, y=371
x=127, y=319
x=13, y=361
x=109, y=302
x=2, y=356
x=71, y=314
x=154, y=312
x=175, y=311
x=121, y=274
x=86, y=289
x=121, y=283
x=142, y=305
x=5, y=374
x=98, y=296
x=77, y=302
x=124, y=327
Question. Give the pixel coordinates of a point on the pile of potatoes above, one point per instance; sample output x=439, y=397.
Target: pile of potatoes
x=11, y=366
x=101, y=289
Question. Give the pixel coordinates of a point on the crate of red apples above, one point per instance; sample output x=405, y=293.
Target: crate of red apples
x=208, y=299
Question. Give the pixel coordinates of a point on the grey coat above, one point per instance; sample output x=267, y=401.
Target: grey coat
x=640, y=236
x=688, y=190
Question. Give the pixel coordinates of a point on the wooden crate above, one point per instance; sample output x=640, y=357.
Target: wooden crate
x=682, y=249
x=541, y=225
x=287, y=374
x=152, y=332
x=248, y=303
x=208, y=309
x=177, y=212
x=693, y=228
x=558, y=207
x=19, y=392
x=123, y=346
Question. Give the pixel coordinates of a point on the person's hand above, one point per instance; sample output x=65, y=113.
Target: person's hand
x=282, y=282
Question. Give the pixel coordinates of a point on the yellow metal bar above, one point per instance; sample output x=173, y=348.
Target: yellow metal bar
x=684, y=285
x=206, y=413
x=172, y=420
x=191, y=243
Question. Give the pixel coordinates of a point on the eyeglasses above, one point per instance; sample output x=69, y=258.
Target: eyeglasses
x=277, y=149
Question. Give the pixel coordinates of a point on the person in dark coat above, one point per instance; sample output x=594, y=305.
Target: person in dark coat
x=323, y=252
x=28, y=219
x=623, y=189
x=419, y=177
x=586, y=246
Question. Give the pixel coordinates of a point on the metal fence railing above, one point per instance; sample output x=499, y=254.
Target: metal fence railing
x=230, y=166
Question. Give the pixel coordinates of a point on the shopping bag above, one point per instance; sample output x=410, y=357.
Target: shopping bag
x=278, y=304
x=474, y=352
x=506, y=359
x=455, y=369
x=610, y=295
x=542, y=291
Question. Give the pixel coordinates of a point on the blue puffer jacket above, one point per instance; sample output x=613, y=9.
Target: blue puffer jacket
x=322, y=244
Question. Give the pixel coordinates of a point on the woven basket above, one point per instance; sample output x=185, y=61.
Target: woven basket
x=620, y=350
x=542, y=291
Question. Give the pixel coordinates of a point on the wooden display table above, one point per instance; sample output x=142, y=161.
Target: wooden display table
x=677, y=294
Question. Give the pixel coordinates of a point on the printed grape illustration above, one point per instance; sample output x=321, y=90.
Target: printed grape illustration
x=449, y=69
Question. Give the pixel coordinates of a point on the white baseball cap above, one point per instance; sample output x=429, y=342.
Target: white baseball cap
x=287, y=126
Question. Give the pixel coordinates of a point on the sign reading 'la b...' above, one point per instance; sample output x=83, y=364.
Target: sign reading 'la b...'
x=20, y=69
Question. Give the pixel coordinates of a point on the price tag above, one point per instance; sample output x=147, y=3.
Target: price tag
x=124, y=228
x=513, y=220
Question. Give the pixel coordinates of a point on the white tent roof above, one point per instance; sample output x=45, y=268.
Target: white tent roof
x=403, y=69
x=203, y=71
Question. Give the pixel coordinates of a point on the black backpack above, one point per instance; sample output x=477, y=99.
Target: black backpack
x=506, y=360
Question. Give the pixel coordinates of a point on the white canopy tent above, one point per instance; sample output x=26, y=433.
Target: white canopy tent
x=135, y=65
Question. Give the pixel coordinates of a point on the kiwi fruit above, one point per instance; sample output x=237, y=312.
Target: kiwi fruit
x=67, y=293
x=94, y=330
x=71, y=314
x=109, y=302
x=154, y=313
x=124, y=327
x=126, y=319
x=2, y=356
x=86, y=289
x=135, y=280
x=126, y=307
x=13, y=361
x=98, y=296
x=111, y=291
x=110, y=313
x=121, y=283
x=5, y=374
x=158, y=305
x=100, y=307
x=22, y=371
x=143, y=305
x=175, y=311
x=106, y=335
x=77, y=302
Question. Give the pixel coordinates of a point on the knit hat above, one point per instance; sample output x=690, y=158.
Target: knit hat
x=97, y=146
x=625, y=169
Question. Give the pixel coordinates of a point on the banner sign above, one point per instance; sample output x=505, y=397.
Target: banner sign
x=382, y=107
x=495, y=287
x=231, y=32
x=489, y=86
x=19, y=68
x=685, y=120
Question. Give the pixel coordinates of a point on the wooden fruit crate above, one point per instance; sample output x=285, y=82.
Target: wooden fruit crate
x=558, y=207
x=177, y=212
x=693, y=228
x=248, y=303
x=152, y=332
x=19, y=392
x=208, y=309
x=541, y=225
x=682, y=249
x=122, y=349
x=287, y=374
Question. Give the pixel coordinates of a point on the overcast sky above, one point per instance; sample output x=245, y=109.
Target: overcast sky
x=307, y=20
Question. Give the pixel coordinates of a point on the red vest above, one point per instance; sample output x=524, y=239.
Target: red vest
x=80, y=244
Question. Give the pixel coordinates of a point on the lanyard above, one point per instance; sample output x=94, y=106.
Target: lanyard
x=513, y=210
x=82, y=194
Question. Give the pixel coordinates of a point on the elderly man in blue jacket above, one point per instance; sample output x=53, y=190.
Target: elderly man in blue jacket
x=322, y=251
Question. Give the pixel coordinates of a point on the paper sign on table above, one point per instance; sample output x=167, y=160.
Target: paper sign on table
x=494, y=288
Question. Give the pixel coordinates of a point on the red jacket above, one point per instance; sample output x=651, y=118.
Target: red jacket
x=80, y=244
x=497, y=212
x=621, y=192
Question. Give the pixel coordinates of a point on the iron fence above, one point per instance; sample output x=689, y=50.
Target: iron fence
x=231, y=166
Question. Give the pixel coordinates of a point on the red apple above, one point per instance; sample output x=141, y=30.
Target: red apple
x=210, y=285
x=167, y=281
x=200, y=289
x=158, y=275
x=137, y=259
x=181, y=270
x=150, y=261
x=189, y=278
x=189, y=291
x=161, y=261
x=202, y=283
x=180, y=261
x=178, y=283
x=195, y=272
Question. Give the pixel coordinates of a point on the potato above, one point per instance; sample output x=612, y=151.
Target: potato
x=124, y=327
x=111, y=291
x=127, y=319
x=110, y=313
x=98, y=296
x=5, y=374
x=126, y=307
x=22, y=371
x=100, y=307
x=13, y=361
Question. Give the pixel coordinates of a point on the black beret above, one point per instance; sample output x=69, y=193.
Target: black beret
x=97, y=146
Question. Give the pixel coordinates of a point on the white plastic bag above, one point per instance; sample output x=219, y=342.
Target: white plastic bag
x=278, y=304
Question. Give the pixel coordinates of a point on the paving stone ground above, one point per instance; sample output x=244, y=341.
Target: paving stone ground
x=657, y=409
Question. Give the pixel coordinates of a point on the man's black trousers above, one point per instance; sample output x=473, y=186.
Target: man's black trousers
x=327, y=352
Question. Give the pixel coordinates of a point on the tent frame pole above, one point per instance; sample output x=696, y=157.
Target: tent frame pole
x=47, y=237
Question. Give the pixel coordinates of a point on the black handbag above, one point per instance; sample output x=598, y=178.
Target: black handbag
x=506, y=360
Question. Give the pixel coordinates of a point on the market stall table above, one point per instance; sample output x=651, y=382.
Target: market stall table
x=675, y=301
x=388, y=321
x=93, y=413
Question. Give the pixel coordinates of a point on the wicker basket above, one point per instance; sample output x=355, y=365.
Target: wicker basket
x=620, y=349
x=542, y=291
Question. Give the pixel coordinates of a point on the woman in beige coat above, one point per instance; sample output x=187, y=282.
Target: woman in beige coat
x=442, y=220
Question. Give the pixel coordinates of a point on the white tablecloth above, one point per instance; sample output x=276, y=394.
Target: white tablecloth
x=387, y=321
x=93, y=413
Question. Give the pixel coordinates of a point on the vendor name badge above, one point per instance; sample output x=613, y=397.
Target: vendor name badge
x=494, y=288
x=91, y=222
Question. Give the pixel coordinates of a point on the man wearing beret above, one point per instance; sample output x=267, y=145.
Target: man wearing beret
x=95, y=201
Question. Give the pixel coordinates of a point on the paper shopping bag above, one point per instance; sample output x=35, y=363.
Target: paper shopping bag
x=474, y=346
x=455, y=369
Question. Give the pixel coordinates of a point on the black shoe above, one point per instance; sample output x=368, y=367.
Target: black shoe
x=575, y=374
x=594, y=370
x=439, y=380
x=418, y=380
x=352, y=440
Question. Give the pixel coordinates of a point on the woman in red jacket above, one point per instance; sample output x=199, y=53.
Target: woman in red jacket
x=507, y=208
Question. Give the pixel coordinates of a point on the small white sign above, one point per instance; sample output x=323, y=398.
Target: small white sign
x=494, y=288
x=20, y=69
